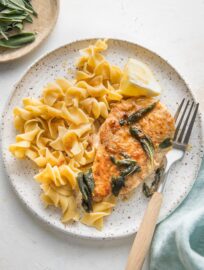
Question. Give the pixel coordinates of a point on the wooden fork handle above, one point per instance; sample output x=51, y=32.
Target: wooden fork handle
x=145, y=233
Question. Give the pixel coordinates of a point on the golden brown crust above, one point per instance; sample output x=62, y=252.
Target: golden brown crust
x=114, y=139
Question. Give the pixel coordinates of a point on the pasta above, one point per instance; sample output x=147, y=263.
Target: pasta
x=63, y=198
x=100, y=210
x=58, y=132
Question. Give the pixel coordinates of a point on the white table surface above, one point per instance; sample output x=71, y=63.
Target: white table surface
x=174, y=29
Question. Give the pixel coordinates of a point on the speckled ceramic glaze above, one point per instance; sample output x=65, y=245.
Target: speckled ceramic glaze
x=126, y=216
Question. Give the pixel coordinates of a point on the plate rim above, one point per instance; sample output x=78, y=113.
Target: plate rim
x=51, y=28
x=31, y=210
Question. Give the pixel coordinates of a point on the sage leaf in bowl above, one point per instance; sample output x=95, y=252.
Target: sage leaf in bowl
x=13, y=15
x=18, y=40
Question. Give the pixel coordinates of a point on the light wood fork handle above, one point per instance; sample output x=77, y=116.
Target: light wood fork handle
x=145, y=233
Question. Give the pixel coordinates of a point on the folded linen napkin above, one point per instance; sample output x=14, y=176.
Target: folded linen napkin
x=178, y=243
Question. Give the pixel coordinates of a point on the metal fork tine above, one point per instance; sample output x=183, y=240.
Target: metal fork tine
x=180, y=121
x=179, y=109
x=185, y=124
x=188, y=133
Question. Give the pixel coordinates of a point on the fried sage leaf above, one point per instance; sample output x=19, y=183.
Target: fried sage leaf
x=122, y=162
x=166, y=143
x=123, y=122
x=145, y=142
x=88, y=178
x=127, y=167
x=149, y=191
x=122, y=154
x=17, y=41
x=133, y=168
x=86, y=186
x=136, y=116
x=117, y=184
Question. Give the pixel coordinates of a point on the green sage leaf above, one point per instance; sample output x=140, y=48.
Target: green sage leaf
x=18, y=40
x=20, y=5
x=145, y=142
x=19, y=26
x=29, y=6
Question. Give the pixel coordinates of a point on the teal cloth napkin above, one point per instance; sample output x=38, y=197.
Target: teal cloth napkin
x=178, y=243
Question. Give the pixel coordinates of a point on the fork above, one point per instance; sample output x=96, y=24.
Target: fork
x=184, y=118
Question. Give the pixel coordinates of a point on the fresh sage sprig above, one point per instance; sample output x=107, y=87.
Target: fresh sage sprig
x=17, y=41
x=13, y=15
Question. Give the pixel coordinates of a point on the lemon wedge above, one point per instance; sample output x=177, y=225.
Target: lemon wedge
x=138, y=80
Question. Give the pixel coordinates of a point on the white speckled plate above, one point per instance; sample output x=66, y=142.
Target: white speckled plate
x=127, y=215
